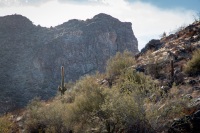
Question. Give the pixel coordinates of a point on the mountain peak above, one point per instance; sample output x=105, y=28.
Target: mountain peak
x=15, y=22
x=15, y=18
x=104, y=16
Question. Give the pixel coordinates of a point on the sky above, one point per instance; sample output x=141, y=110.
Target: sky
x=149, y=18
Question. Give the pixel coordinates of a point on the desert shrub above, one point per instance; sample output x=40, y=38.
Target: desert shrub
x=87, y=103
x=33, y=122
x=124, y=112
x=48, y=118
x=76, y=110
x=134, y=82
x=123, y=108
x=193, y=66
x=121, y=61
x=162, y=113
x=151, y=105
x=44, y=117
x=6, y=126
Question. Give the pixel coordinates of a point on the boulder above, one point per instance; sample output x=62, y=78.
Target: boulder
x=187, y=124
x=152, y=45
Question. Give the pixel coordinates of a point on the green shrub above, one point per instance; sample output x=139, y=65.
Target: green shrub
x=121, y=61
x=76, y=110
x=193, y=66
x=134, y=82
x=124, y=112
x=88, y=100
x=124, y=103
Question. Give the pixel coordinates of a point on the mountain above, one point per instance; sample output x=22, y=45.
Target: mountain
x=157, y=90
x=31, y=56
x=151, y=92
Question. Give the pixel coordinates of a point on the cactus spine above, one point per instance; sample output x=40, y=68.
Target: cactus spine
x=62, y=88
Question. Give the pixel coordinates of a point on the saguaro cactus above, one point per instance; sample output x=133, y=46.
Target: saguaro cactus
x=62, y=88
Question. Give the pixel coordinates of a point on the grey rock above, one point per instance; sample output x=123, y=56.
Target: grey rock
x=192, y=82
x=188, y=96
x=140, y=68
x=154, y=44
x=187, y=124
x=19, y=118
x=197, y=100
x=196, y=88
x=197, y=114
x=31, y=56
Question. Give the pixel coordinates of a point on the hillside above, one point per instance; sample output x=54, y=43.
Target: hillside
x=31, y=56
x=155, y=91
x=158, y=55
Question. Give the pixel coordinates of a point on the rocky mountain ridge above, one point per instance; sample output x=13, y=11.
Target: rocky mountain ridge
x=31, y=56
x=165, y=60
x=177, y=47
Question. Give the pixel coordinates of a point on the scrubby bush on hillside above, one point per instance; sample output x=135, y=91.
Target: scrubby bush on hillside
x=121, y=61
x=123, y=112
x=6, y=126
x=193, y=66
x=160, y=114
x=74, y=111
x=133, y=82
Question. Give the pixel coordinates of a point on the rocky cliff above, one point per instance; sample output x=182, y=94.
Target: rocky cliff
x=31, y=56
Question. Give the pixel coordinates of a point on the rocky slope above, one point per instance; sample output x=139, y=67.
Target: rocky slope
x=177, y=47
x=157, y=57
x=31, y=56
x=165, y=60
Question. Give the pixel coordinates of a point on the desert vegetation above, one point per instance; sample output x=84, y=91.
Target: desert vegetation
x=155, y=91
x=134, y=103
x=193, y=66
x=6, y=126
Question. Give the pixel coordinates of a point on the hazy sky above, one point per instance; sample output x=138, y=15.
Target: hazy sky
x=150, y=18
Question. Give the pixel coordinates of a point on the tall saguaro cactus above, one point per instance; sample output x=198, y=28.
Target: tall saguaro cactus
x=62, y=88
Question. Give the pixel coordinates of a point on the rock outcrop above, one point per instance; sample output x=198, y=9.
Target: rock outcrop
x=152, y=45
x=31, y=56
x=187, y=124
